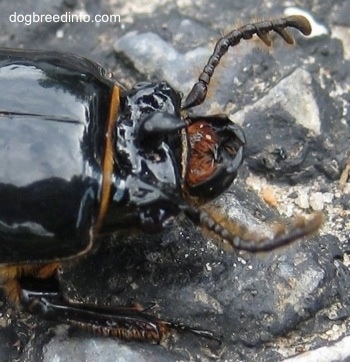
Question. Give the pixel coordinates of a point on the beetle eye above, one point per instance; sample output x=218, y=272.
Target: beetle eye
x=216, y=153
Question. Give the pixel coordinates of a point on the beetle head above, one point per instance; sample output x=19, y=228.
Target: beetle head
x=215, y=154
x=165, y=160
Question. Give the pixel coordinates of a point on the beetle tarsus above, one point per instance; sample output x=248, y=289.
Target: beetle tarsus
x=199, y=91
x=199, y=332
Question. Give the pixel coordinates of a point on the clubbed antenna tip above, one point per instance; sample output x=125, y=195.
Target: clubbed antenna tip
x=299, y=22
x=301, y=228
x=262, y=29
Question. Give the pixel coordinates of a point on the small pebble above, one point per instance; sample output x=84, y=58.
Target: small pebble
x=302, y=200
x=269, y=196
x=316, y=201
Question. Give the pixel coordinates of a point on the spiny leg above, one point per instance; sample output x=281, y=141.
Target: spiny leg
x=239, y=241
x=261, y=29
x=128, y=323
x=37, y=290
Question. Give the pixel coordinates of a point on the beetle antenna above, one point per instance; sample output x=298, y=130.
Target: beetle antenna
x=300, y=229
x=199, y=91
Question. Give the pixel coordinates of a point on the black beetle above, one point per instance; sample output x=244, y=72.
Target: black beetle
x=82, y=158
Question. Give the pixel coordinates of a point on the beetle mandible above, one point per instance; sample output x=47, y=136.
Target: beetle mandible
x=82, y=158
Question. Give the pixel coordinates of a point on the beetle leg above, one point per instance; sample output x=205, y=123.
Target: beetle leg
x=121, y=322
x=232, y=232
x=11, y=276
x=36, y=289
x=129, y=323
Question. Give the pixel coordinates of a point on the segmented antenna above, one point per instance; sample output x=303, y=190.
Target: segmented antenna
x=300, y=229
x=261, y=29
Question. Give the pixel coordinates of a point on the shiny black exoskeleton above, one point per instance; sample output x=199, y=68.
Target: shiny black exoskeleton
x=81, y=158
